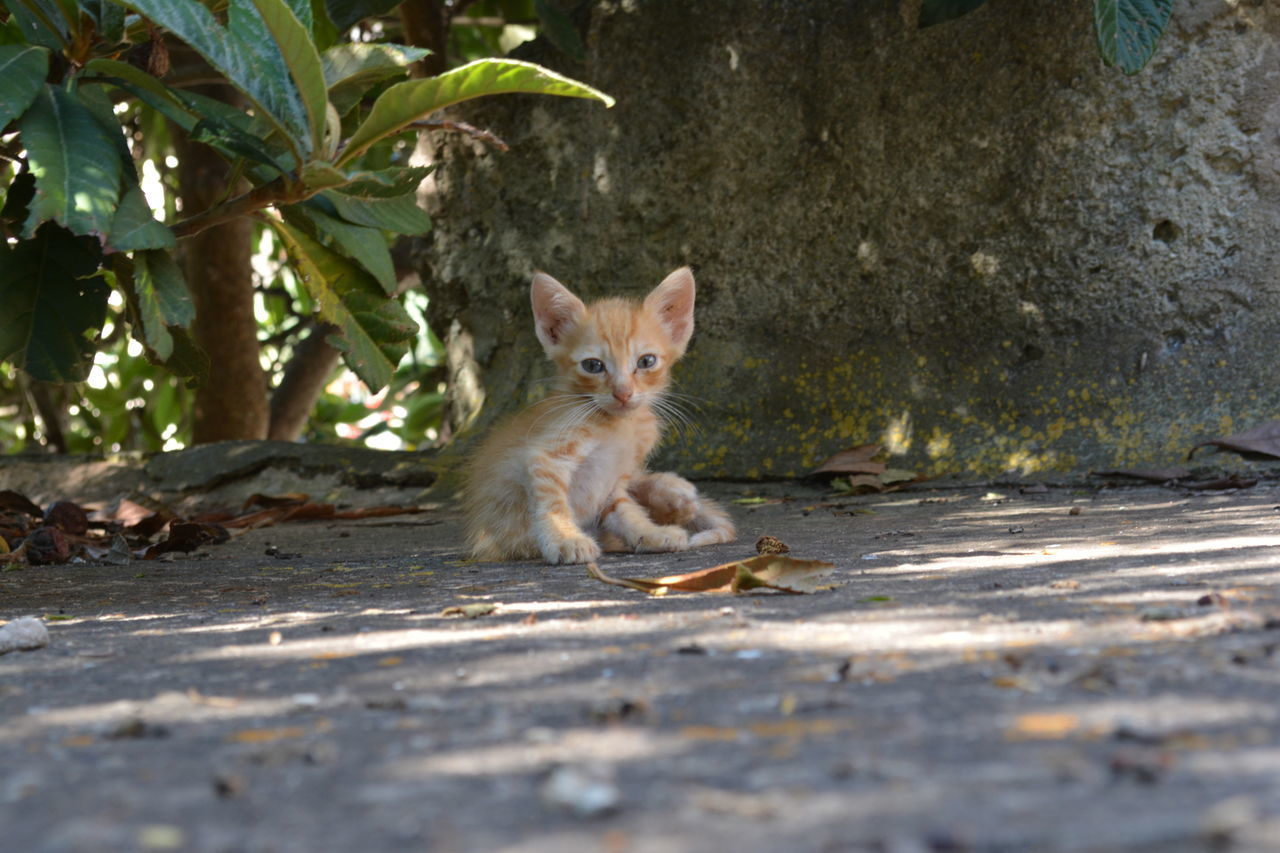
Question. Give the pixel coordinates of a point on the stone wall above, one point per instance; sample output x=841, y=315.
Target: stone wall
x=972, y=242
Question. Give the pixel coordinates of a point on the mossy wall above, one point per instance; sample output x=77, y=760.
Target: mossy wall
x=973, y=242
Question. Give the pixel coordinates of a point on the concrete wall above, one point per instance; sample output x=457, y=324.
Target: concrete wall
x=972, y=242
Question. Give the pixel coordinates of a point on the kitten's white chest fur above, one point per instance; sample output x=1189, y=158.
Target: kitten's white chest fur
x=594, y=480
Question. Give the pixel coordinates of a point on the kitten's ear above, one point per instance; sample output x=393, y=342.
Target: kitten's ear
x=555, y=309
x=672, y=303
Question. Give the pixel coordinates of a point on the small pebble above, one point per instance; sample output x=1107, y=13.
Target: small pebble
x=585, y=791
x=23, y=634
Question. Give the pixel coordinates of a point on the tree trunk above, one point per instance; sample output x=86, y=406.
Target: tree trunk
x=311, y=365
x=426, y=24
x=232, y=404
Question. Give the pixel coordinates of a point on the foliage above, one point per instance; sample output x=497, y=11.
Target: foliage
x=1127, y=30
x=85, y=97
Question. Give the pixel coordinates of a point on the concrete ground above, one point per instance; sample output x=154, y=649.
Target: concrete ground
x=992, y=669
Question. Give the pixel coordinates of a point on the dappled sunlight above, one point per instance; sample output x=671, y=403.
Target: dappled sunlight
x=537, y=750
x=402, y=639
x=166, y=707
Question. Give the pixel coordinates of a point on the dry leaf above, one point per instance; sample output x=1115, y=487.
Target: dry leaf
x=1234, y=481
x=1043, y=726
x=768, y=571
x=1261, y=440
x=187, y=536
x=270, y=501
x=856, y=460
x=771, y=545
x=1149, y=475
x=10, y=499
x=266, y=735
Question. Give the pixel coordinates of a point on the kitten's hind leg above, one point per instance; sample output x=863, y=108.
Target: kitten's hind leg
x=627, y=520
x=671, y=499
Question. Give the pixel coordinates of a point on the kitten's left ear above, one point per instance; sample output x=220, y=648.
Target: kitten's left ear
x=672, y=304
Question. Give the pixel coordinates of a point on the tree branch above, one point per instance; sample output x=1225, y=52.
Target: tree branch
x=256, y=199
x=474, y=132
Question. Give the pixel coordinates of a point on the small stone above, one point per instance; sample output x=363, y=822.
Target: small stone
x=587, y=791
x=23, y=634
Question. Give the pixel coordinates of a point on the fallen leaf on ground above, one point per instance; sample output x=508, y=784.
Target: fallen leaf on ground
x=771, y=545
x=1234, y=481
x=139, y=520
x=270, y=501
x=266, y=735
x=767, y=571
x=1148, y=475
x=1262, y=440
x=187, y=536
x=471, y=611
x=855, y=460
x=10, y=499
x=1043, y=726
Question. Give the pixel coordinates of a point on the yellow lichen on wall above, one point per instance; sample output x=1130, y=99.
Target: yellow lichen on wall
x=939, y=414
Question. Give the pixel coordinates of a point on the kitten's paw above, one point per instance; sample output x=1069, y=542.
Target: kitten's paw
x=714, y=536
x=665, y=538
x=578, y=549
x=670, y=499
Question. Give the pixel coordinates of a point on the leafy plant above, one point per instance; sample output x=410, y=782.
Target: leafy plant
x=314, y=140
x=1127, y=30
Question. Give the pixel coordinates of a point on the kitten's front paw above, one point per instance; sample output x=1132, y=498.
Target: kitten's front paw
x=579, y=549
x=667, y=538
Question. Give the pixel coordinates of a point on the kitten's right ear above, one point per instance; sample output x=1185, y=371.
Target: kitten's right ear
x=555, y=310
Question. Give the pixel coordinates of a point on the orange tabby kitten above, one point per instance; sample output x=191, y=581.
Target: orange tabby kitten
x=566, y=476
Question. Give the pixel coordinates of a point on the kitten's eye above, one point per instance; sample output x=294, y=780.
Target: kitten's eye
x=646, y=361
x=593, y=365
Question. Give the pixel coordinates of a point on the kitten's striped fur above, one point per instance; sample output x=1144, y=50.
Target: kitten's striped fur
x=566, y=477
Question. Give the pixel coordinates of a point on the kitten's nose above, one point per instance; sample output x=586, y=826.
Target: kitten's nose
x=623, y=395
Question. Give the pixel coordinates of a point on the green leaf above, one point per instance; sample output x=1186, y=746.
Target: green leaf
x=352, y=69
x=940, y=11
x=407, y=102
x=17, y=200
x=146, y=88
x=301, y=10
x=345, y=13
x=54, y=305
x=134, y=227
x=22, y=72
x=234, y=142
x=41, y=22
x=293, y=38
x=319, y=175
x=244, y=53
x=162, y=299
x=76, y=164
x=386, y=183
x=366, y=245
x=188, y=360
x=400, y=214
x=375, y=330
x=1129, y=30
x=559, y=30
x=109, y=18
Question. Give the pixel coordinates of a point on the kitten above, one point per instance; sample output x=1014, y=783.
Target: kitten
x=566, y=477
